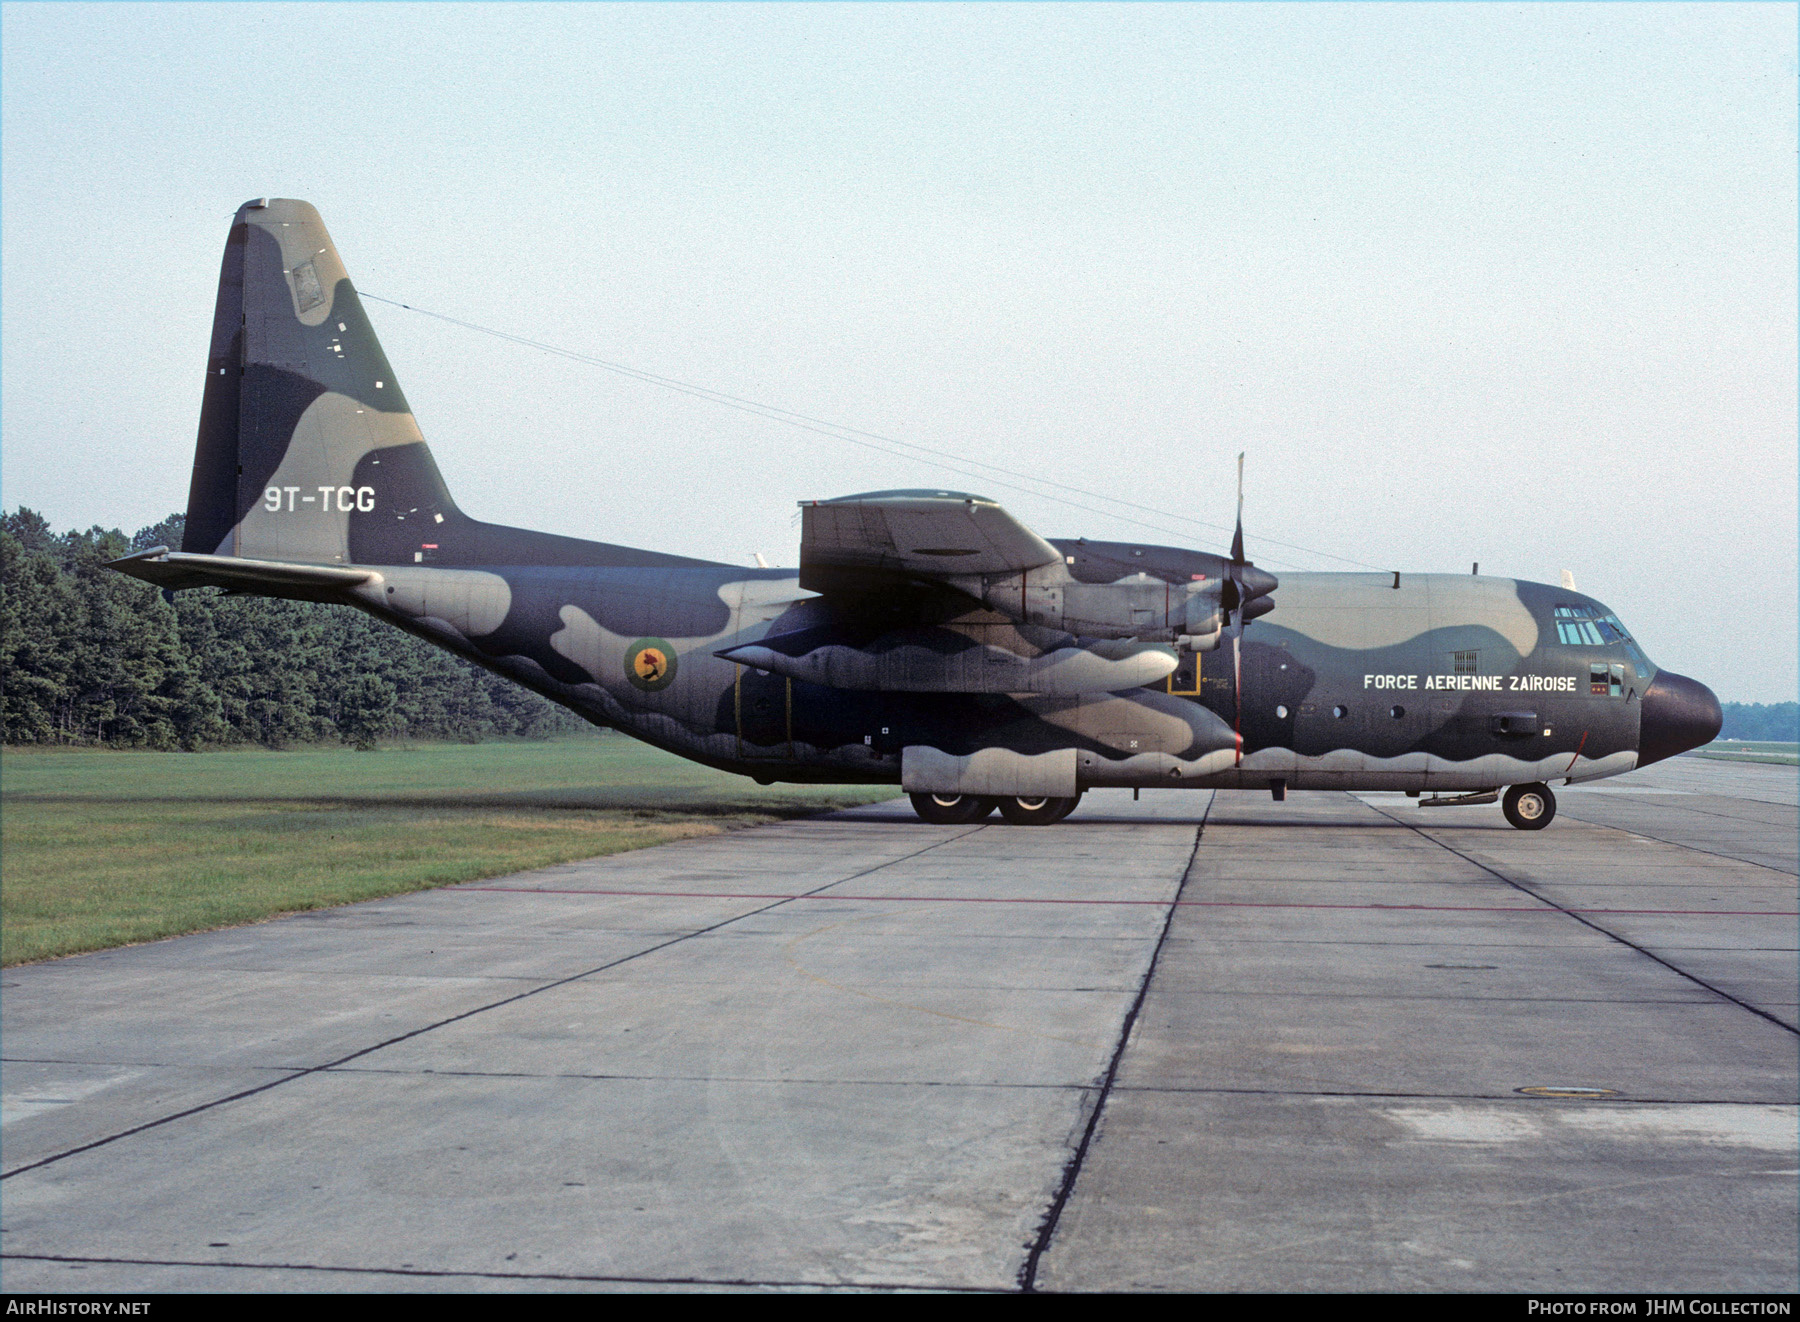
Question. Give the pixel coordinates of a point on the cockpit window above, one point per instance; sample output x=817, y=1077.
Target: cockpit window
x=1586, y=625
x=1575, y=625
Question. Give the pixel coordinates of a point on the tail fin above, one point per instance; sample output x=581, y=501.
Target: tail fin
x=308, y=451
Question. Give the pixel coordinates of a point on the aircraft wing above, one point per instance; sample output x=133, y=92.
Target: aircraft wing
x=872, y=539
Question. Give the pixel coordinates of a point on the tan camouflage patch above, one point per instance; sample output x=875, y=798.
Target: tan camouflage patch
x=311, y=260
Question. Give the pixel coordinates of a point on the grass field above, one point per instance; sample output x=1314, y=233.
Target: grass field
x=1751, y=750
x=102, y=849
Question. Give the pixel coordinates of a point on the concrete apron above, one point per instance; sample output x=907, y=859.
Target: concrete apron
x=654, y=1069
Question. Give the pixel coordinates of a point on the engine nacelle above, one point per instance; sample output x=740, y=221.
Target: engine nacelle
x=957, y=661
x=1140, y=606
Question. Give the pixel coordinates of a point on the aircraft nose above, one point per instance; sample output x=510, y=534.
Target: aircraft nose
x=1678, y=714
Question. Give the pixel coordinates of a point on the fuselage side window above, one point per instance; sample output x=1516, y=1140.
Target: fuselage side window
x=1607, y=681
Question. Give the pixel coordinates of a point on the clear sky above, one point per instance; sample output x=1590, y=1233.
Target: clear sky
x=1503, y=283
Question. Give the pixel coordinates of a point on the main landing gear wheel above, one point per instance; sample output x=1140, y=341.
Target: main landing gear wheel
x=1037, y=812
x=1529, y=807
x=951, y=809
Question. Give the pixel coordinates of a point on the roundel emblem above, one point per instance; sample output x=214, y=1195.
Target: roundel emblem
x=650, y=664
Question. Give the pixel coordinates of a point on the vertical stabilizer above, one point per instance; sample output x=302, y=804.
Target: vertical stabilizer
x=302, y=427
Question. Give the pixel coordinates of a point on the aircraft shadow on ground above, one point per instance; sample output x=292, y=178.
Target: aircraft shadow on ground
x=901, y=813
x=1269, y=823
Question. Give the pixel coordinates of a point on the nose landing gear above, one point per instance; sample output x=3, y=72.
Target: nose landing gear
x=1529, y=807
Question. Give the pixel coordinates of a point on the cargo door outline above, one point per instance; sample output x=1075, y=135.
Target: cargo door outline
x=1180, y=674
x=749, y=746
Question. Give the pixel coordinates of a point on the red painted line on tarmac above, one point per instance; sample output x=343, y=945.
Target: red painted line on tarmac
x=1200, y=904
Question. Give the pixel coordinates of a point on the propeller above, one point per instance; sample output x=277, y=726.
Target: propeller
x=1231, y=594
x=1232, y=599
x=1243, y=596
x=1237, y=536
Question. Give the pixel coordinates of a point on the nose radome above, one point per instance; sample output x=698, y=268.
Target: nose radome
x=1678, y=714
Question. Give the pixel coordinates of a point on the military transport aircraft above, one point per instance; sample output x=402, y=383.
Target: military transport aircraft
x=929, y=639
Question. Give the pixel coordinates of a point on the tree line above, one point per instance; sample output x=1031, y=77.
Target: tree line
x=89, y=656
x=1761, y=720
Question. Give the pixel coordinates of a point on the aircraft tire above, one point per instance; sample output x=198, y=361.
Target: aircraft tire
x=1529, y=807
x=951, y=809
x=1035, y=811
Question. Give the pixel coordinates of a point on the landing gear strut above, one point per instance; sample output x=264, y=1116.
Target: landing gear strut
x=1529, y=807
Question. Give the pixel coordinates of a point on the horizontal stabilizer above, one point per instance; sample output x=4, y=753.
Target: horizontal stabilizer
x=182, y=569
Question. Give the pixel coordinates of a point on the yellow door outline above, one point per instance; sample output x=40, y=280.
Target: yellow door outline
x=1194, y=692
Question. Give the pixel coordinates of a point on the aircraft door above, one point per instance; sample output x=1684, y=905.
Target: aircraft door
x=1184, y=681
x=764, y=708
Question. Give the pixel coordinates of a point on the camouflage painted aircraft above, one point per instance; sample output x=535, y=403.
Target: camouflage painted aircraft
x=928, y=640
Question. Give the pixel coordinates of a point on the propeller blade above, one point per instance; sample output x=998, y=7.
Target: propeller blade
x=1234, y=589
x=1237, y=537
